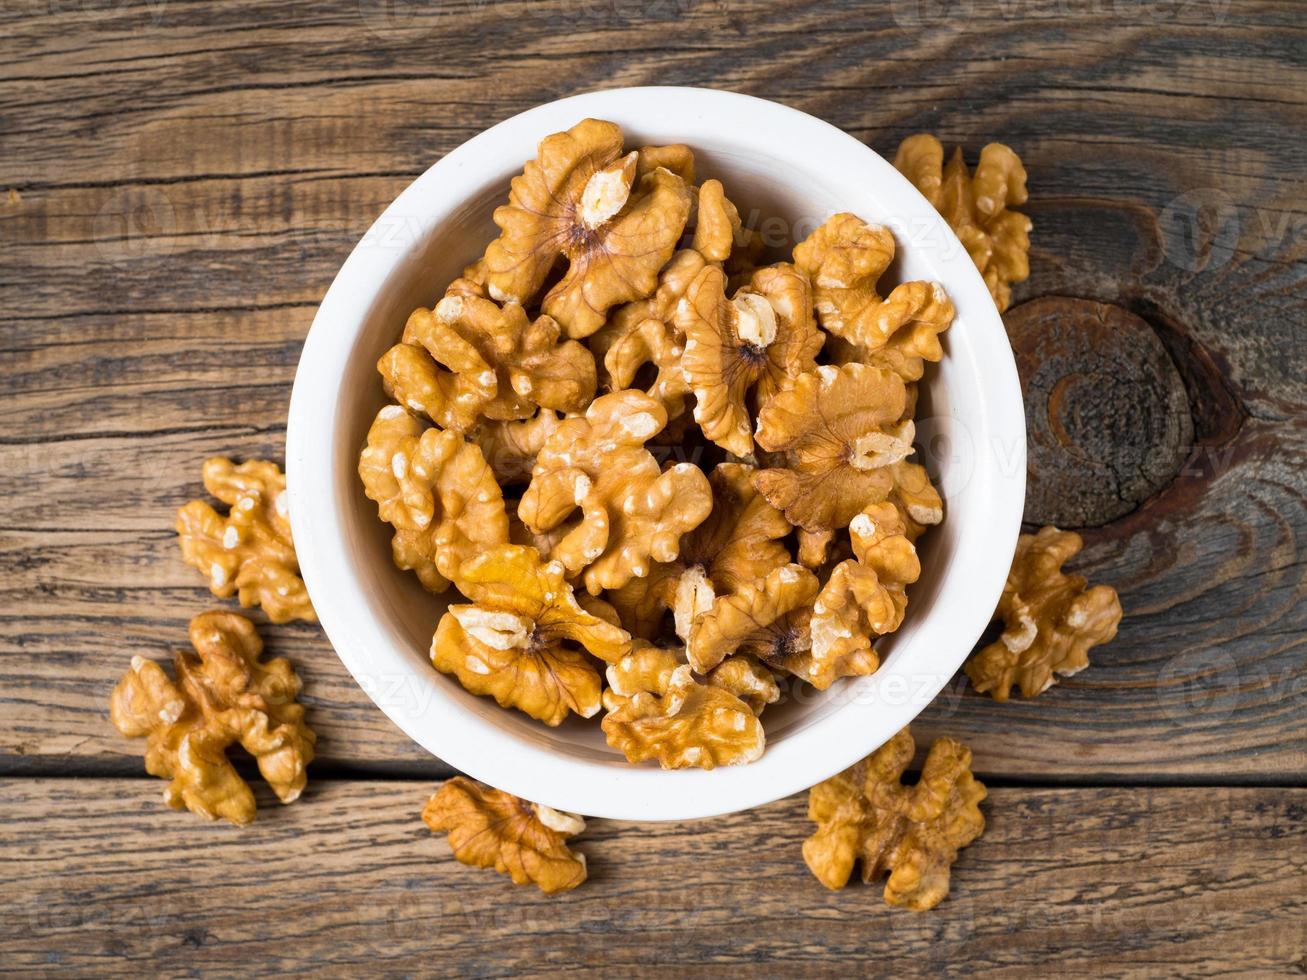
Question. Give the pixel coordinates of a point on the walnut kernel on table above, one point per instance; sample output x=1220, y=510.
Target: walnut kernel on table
x=912, y=832
x=1050, y=620
x=489, y=828
x=249, y=552
x=224, y=696
x=976, y=207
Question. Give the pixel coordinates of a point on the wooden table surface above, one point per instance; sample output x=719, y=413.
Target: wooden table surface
x=180, y=181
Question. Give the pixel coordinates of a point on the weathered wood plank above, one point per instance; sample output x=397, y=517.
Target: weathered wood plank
x=1198, y=882
x=191, y=176
x=1212, y=674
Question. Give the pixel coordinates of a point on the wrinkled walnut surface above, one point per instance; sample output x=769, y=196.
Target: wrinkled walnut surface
x=222, y=695
x=644, y=332
x=1050, y=620
x=658, y=708
x=738, y=543
x=471, y=358
x=523, y=639
x=632, y=513
x=864, y=597
x=666, y=470
x=846, y=258
x=912, y=832
x=582, y=201
x=739, y=352
x=976, y=206
x=249, y=552
x=840, y=430
x=436, y=490
x=489, y=828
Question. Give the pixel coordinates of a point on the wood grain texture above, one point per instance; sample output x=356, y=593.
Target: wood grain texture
x=189, y=176
x=1101, y=882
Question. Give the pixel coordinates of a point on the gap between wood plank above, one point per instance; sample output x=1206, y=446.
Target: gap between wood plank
x=418, y=772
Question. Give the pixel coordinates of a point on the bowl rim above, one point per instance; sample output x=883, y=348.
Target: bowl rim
x=497, y=756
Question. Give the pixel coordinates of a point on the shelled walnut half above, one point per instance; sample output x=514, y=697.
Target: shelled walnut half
x=488, y=828
x=739, y=352
x=523, y=639
x=658, y=708
x=595, y=474
x=977, y=207
x=222, y=695
x=580, y=200
x=436, y=490
x=249, y=552
x=912, y=832
x=839, y=430
x=1050, y=620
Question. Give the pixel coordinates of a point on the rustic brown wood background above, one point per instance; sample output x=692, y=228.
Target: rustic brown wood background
x=180, y=180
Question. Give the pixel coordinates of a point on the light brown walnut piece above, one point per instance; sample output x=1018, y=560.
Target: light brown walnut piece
x=912, y=832
x=511, y=447
x=644, y=332
x=470, y=358
x=740, y=352
x=249, y=552
x=716, y=223
x=738, y=543
x=436, y=490
x=1050, y=620
x=648, y=669
x=845, y=259
x=489, y=828
x=916, y=498
x=632, y=513
x=545, y=542
x=841, y=429
x=976, y=207
x=224, y=696
x=524, y=639
x=921, y=311
x=864, y=597
x=658, y=708
x=676, y=157
x=765, y=619
x=815, y=547
x=581, y=200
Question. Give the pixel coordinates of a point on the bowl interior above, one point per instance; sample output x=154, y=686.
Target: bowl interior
x=784, y=190
x=769, y=201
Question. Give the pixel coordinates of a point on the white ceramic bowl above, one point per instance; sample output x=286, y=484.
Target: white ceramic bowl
x=774, y=161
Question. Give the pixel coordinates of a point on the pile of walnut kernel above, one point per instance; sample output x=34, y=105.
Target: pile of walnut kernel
x=621, y=316
x=663, y=478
